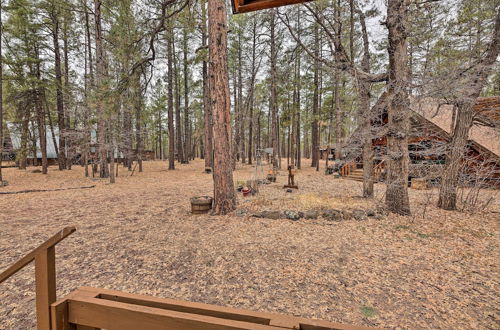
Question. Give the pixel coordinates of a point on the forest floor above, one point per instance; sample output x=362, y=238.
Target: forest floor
x=435, y=269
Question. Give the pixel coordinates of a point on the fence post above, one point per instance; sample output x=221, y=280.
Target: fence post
x=45, y=280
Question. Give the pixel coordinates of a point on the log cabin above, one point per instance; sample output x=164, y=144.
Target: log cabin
x=432, y=123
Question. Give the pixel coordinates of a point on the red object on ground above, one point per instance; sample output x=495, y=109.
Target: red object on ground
x=246, y=191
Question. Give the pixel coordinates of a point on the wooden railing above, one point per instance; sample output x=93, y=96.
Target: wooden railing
x=378, y=170
x=91, y=308
x=45, y=275
x=348, y=168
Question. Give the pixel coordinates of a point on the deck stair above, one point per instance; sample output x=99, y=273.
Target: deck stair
x=356, y=175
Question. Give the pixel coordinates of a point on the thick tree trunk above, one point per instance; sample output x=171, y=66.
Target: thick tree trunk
x=396, y=198
x=224, y=195
x=450, y=180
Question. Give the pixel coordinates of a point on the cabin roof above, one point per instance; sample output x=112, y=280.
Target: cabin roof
x=485, y=133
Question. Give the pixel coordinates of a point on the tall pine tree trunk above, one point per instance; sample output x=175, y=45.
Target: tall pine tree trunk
x=315, y=107
x=178, y=124
x=396, y=198
x=170, y=100
x=207, y=107
x=364, y=94
x=100, y=76
x=66, y=93
x=59, y=92
x=299, y=87
x=40, y=116
x=187, y=128
x=274, y=93
x=224, y=195
x=139, y=130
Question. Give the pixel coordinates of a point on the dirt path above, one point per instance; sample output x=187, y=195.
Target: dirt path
x=440, y=272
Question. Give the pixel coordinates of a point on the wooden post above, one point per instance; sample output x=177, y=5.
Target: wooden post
x=45, y=279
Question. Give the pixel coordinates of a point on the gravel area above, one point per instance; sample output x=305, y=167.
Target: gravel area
x=435, y=269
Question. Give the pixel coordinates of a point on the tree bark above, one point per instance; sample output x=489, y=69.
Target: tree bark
x=224, y=195
x=396, y=198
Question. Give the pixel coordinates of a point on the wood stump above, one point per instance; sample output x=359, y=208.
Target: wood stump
x=201, y=204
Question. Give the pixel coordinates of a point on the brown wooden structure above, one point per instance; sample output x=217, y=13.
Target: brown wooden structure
x=45, y=275
x=245, y=6
x=430, y=132
x=91, y=308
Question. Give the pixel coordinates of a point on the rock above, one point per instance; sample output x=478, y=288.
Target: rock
x=289, y=191
x=382, y=210
x=378, y=217
x=292, y=215
x=371, y=212
x=241, y=212
x=311, y=214
x=332, y=215
x=359, y=215
x=347, y=214
x=268, y=215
